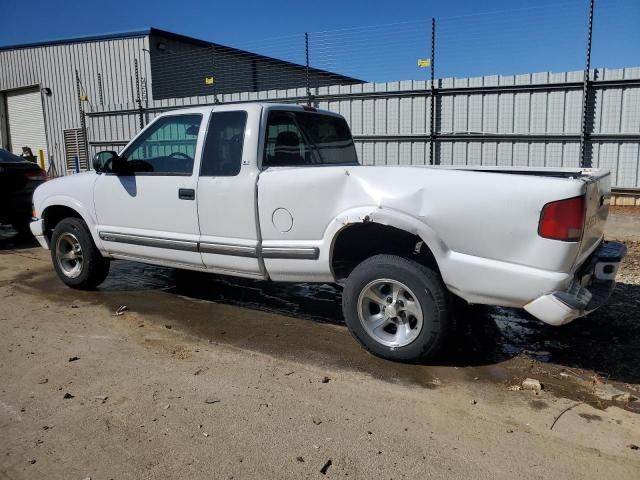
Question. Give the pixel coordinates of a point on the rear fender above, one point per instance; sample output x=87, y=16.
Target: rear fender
x=388, y=217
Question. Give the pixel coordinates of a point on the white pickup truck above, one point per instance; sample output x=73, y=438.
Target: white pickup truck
x=275, y=192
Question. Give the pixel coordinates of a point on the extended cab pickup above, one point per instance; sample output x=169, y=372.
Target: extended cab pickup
x=275, y=192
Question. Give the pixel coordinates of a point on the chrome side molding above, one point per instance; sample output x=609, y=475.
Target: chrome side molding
x=145, y=241
x=294, y=253
x=229, y=249
x=297, y=253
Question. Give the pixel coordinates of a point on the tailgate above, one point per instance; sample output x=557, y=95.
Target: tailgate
x=597, y=195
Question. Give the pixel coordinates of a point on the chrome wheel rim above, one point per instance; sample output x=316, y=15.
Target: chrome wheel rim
x=390, y=313
x=69, y=255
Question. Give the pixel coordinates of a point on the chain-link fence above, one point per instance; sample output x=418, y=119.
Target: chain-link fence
x=426, y=91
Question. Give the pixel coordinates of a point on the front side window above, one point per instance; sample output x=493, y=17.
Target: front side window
x=297, y=138
x=222, y=154
x=167, y=147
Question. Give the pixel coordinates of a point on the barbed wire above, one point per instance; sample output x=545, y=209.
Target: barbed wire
x=480, y=43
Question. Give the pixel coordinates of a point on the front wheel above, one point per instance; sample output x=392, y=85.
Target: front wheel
x=397, y=308
x=76, y=259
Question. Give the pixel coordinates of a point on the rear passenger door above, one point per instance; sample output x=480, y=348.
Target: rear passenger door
x=227, y=193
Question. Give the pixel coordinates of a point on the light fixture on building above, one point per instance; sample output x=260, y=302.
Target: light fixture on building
x=47, y=91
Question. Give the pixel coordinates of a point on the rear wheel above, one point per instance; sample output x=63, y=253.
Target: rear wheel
x=76, y=259
x=397, y=308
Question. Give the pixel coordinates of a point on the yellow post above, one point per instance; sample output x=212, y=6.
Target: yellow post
x=41, y=158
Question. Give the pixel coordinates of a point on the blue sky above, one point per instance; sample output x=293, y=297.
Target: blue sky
x=374, y=40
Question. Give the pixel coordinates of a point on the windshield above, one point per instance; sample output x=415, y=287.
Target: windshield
x=303, y=138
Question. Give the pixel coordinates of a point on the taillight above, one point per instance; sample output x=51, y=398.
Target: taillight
x=563, y=220
x=39, y=175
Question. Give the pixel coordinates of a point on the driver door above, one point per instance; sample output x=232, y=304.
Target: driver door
x=146, y=210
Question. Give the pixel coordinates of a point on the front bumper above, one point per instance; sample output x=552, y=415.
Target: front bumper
x=37, y=228
x=591, y=288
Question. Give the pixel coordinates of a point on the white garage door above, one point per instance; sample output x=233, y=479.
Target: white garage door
x=26, y=121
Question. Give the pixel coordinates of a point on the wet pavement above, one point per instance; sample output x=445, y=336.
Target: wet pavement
x=304, y=322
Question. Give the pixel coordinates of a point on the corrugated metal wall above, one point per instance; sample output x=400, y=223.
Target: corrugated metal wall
x=53, y=66
x=521, y=120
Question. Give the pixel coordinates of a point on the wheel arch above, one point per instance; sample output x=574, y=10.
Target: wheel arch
x=59, y=208
x=361, y=233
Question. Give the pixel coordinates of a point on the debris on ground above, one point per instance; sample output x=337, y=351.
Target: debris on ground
x=73, y=359
x=32, y=461
x=633, y=446
x=68, y=395
x=300, y=459
x=169, y=327
x=326, y=380
x=326, y=466
x=531, y=384
x=316, y=421
x=210, y=401
x=608, y=392
x=102, y=398
x=120, y=310
x=563, y=412
x=42, y=381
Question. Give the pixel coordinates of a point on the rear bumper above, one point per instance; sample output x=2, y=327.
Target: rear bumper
x=590, y=289
x=37, y=228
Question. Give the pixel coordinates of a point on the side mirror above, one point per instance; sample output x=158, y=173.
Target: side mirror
x=103, y=161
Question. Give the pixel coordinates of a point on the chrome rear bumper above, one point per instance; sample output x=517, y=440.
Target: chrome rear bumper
x=591, y=288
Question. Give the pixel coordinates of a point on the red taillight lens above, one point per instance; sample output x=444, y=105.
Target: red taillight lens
x=563, y=220
x=39, y=175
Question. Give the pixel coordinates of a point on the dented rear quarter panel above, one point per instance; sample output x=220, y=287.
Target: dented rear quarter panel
x=482, y=227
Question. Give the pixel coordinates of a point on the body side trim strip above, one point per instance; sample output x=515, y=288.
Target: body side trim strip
x=297, y=253
x=228, y=249
x=150, y=241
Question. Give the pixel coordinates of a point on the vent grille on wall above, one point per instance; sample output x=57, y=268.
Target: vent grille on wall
x=75, y=146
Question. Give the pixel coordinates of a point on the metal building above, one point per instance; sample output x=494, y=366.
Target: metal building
x=46, y=88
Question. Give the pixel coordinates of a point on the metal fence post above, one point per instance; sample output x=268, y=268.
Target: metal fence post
x=83, y=121
x=432, y=136
x=585, y=160
x=138, y=99
x=306, y=54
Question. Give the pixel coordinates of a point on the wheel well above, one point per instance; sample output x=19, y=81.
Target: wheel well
x=54, y=214
x=358, y=242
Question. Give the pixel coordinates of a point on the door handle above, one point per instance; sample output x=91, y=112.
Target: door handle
x=186, y=194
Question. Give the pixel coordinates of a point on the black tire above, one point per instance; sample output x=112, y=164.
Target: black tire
x=430, y=293
x=94, y=268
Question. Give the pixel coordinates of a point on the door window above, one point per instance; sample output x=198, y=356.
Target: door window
x=222, y=154
x=168, y=147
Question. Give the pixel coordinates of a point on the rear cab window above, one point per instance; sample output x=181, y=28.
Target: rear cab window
x=300, y=138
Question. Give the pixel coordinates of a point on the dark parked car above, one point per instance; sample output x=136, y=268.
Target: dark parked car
x=18, y=179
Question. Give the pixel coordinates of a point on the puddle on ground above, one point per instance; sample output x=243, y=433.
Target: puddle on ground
x=491, y=344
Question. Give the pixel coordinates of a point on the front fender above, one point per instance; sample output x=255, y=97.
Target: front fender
x=74, y=192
